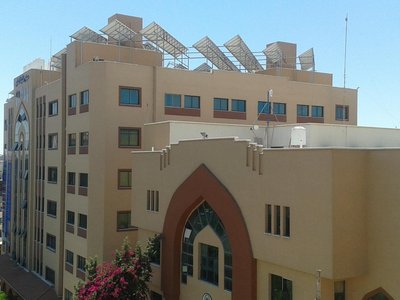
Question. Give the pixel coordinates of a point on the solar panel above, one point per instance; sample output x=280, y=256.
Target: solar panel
x=211, y=51
x=119, y=31
x=162, y=39
x=273, y=53
x=149, y=46
x=56, y=60
x=243, y=54
x=88, y=35
x=204, y=67
x=307, y=60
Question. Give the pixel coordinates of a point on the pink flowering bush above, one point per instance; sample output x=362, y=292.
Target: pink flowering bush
x=126, y=277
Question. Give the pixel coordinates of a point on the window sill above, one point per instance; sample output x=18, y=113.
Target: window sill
x=52, y=216
x=52, y=182
x=51, y=249
x=133, y=228
x=130, y=105
x=52, y=149
x=53, y=115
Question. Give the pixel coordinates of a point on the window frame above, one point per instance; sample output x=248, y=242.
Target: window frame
x=70, y=139
x=51, y=242
x=80, y=263
x=120, y=226
x=51, y=209
x=303, y=110
x=262, y=106
x=171, y=102
x=67, y=219
x=138, y=131
x=50, y=171
x=120, y=185
x=189, y=100
x=84, y=97
x=53, y=108
x=217, y=104
x=315, y=108
x=139, y=96
x=205, y=267
x=72, y=100
x=50, y=141
x=84, y=139
x=47, y=272
x=69, y=257
x=238, y=105
x=276, y=108
x=82, y=221
x=342, y=112
x=283, y=282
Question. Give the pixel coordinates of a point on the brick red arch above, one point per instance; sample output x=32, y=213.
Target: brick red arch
x=201, y=186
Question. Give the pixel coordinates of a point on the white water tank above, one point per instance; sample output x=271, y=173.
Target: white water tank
x=298, y=137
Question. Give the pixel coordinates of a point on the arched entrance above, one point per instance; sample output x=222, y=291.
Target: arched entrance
x=202, y=186
x=378, y=294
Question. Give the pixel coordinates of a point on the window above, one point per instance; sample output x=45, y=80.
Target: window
x=81, y=263
x=209, y=263
x=153, y=200
x=268, y=218
x=124, y=179
x=85, y=97
x=238, y=105
x=302, y=110
x=71, y=178
x=84, y=139
x=342, y=112
x=70, y=217
x=129, y=137
x=72, y=140
x=51, y=208
x=52, y=174
x=281, y=288
x=82, y=221
x=264, y=107
x=50, y=242
x=50, y=275
x=317, y=111
x=68, y=295
x=221, y=104
x=129, y=96
x=124, y=220
x=72, y=101
x=53, y=108
x=172, y=100
x=339, y=287
x=53, y=141
x=279, y=108
x=192, y=101
x=83, y=180
x=277, y=220
x=286, y=221
x=69, y=257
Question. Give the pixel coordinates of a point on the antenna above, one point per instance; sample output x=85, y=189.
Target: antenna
x=345, y=53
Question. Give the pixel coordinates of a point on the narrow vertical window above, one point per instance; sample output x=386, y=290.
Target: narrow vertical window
x=277, y=220
x=268, y=218
x=286, y=219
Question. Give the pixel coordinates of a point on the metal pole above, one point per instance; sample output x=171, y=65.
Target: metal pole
x=318, y=290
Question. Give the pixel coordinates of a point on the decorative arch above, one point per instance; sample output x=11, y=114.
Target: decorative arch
x=202, y=185
x=378, y=294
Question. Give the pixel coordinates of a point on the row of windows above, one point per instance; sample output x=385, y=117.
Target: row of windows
x=275, y=216
x=82, y=224
x=83, y=179
x=175, y=100
x=84, y=102
x=304, y=111
x=83, y=139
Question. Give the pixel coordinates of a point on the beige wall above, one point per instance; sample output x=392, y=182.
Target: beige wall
x=338, y=199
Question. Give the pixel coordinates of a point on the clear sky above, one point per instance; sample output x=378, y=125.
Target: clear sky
x=33, y=29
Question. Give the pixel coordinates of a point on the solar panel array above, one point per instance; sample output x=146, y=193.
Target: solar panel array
x=243, y=54
x=88, y=35
x=307, y=60
x=212, y=52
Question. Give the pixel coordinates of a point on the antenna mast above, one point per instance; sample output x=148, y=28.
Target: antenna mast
x=345, y=54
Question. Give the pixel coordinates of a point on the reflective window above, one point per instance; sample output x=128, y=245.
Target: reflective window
x=129, y=96
x=172, y=100
x=221, y=104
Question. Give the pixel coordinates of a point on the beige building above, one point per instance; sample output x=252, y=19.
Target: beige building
x=241, y=220
x=69, y=131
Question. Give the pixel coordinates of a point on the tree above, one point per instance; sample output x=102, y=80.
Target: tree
x=126, y=277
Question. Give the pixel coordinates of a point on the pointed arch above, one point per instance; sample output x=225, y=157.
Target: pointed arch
x=377, y=292
x=202, y=185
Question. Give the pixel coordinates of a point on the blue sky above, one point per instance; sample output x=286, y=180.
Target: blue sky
x=373, y=49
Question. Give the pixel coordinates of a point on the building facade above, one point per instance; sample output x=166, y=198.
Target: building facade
x=69, y=133
x=238, y=220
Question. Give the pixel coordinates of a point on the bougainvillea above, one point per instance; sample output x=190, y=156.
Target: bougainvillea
x=126, y=277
